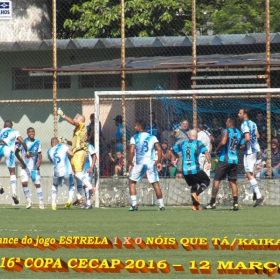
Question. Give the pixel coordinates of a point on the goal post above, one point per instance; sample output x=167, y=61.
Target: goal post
x=190, y=104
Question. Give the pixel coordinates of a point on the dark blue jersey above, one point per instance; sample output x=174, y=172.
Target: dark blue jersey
x=229, y=151
x=190, y=150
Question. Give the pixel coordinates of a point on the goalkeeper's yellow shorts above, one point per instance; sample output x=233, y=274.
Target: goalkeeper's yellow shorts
x=78, y=161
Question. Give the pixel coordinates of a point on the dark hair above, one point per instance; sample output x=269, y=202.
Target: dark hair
x=30, y=128
x=142, y=124
x=232, y=120
x=246, y=111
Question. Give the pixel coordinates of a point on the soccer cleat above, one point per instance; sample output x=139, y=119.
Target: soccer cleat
x=67, y=205
x=195, y=197
x=198, y=208
x=1, y=190
x=133, y=208
x=15, y=199
x=78, y=202
x=53, y=207
x=234, y=207
x=194, y=207
x=161, y=208
x=258, y=201
x=210, y=206
x=87, y=206
x=28, y=204
x=41, y=206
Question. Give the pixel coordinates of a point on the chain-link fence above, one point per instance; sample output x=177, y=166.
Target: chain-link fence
x=168, y=45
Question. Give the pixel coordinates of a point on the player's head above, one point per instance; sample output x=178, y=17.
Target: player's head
x=140, y=125
x=230, y=122
x=8, y=123
x=192, y=134
x=79, y=118
x=54, y=141
x=244, y=114
x=92, y=118
x=31, y=132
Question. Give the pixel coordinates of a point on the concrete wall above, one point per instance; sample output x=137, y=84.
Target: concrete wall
x=115, y=193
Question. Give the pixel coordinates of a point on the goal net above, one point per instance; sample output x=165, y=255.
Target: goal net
x=164, y=110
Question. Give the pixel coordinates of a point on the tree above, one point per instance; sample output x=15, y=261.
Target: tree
x=101, y=18
x=245, y=16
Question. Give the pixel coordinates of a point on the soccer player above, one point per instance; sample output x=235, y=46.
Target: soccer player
x=59, y=155
x=8, y=138
x=143, y=145
x=79, y=147
x=251, y=150
x=30, y=166
x=88, y=172
x=194, y=175
x=204, y=137
x=231, y=140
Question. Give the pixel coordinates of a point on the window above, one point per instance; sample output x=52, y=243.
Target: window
x=23, y=81
x=103, y=81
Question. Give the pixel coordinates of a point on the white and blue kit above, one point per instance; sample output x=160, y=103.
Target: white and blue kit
x=252, y=147
x=145, y=156
x=8, y=137
x=34, y=148
x=61, y=165
x=88, y=162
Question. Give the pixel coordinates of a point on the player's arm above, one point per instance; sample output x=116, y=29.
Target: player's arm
x=94, y=157
x=246, y=137
x=223, y=141
x=159, y=152
x=131, y=156
x=22, y=163
x=257, y=134
x=70, y=153
x=39, y=161
x=23, y=145
x=68, y=119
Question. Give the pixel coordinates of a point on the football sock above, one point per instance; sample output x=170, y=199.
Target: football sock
x=13, y=182
x=71, y=193
x=213, y=200
x=133, y=200
x=235, y=200
x=54, y=193
x=79, y=191
x=40, y=194
x=160, y=202
x=26, y=192
x=202, y=188
x=255, y=188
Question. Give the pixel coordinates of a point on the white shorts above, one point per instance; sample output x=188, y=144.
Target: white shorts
x=8, y=154
x=138, y=171
x=203, y=163
x=68, y=180
x=250, y=161
x=25, y=174
x=88, y=177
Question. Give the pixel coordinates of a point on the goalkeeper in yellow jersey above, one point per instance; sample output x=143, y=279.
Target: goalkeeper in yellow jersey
x=79, y=147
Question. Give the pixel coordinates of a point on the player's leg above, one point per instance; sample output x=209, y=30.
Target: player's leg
x=232, y=178
x=56, y=182
x=190, y=180
x=69, y=182
x=1, y=155
x=36, y=179
x=24, y=175
x=136, y=174
x=249, y=163
x=79, y=198
x=153, y=178
x=10, y=162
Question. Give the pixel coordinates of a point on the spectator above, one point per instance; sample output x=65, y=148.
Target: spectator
x=262, y=128
x=118, y=168
x=180, y=135
x=152, y=126
x=216, y=131
x=119, y=134
x=260, y=163
x=276, y=126
x=275, y=159
x=166, y=135
x=169, y=161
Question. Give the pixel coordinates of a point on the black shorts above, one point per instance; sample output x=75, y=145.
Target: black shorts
x=224, y=169
x=198, y=178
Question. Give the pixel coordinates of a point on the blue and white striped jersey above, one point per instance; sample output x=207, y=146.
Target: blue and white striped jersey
x=251, y=146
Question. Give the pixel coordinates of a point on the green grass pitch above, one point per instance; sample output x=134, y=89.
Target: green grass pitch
x=176, y=222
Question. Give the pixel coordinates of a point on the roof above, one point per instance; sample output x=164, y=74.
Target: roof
x=137, y=42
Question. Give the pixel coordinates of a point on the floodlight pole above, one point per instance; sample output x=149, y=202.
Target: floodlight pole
x=54, y=51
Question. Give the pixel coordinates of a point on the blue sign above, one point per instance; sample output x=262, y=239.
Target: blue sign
x=5, y=9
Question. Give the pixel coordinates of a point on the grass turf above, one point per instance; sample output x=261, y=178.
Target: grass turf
x=177, y=222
